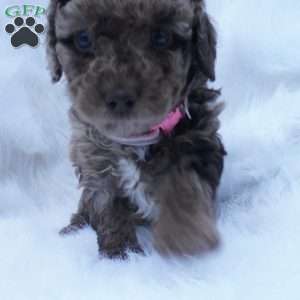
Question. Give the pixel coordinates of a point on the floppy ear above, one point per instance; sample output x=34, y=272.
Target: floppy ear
x=54, y=64
x=204, y=40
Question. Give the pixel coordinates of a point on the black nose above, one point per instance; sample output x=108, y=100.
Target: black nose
x=120, y=102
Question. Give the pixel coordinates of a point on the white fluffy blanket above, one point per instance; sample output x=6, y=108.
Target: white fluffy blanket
x=259, y=72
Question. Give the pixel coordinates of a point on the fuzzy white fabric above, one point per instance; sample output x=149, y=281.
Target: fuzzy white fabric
x=258, y=70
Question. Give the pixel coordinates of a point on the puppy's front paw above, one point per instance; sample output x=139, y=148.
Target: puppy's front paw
x=113, y=253
x=117, y=247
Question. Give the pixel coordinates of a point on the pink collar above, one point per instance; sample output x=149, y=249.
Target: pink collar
x=154, y=135
x=170, y=122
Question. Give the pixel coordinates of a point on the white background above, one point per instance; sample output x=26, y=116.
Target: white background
x=258, y=70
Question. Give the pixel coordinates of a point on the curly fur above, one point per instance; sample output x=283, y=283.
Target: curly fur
x=170, y=185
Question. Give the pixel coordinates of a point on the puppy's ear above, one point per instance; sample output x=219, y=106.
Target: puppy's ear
x=54, y=64
x=204, y=40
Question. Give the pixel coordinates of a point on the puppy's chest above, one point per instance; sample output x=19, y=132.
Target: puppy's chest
x=132, y=184
x=142, y=152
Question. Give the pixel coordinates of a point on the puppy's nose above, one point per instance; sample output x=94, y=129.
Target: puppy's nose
x=120, y=102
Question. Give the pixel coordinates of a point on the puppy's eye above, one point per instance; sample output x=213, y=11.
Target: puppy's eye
x=83, y=41
x=161, y=39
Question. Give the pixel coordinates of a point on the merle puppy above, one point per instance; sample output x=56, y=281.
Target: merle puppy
x=144, y=123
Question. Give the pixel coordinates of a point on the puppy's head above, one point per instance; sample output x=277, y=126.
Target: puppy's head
x=128, y=63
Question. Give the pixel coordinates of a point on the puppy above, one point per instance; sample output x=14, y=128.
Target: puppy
x=144, y=123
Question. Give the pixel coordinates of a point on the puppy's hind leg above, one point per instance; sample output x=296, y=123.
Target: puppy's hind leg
x=77, y=222
x=80, y=219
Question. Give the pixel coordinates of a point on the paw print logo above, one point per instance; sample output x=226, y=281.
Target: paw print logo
x=24, y=33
